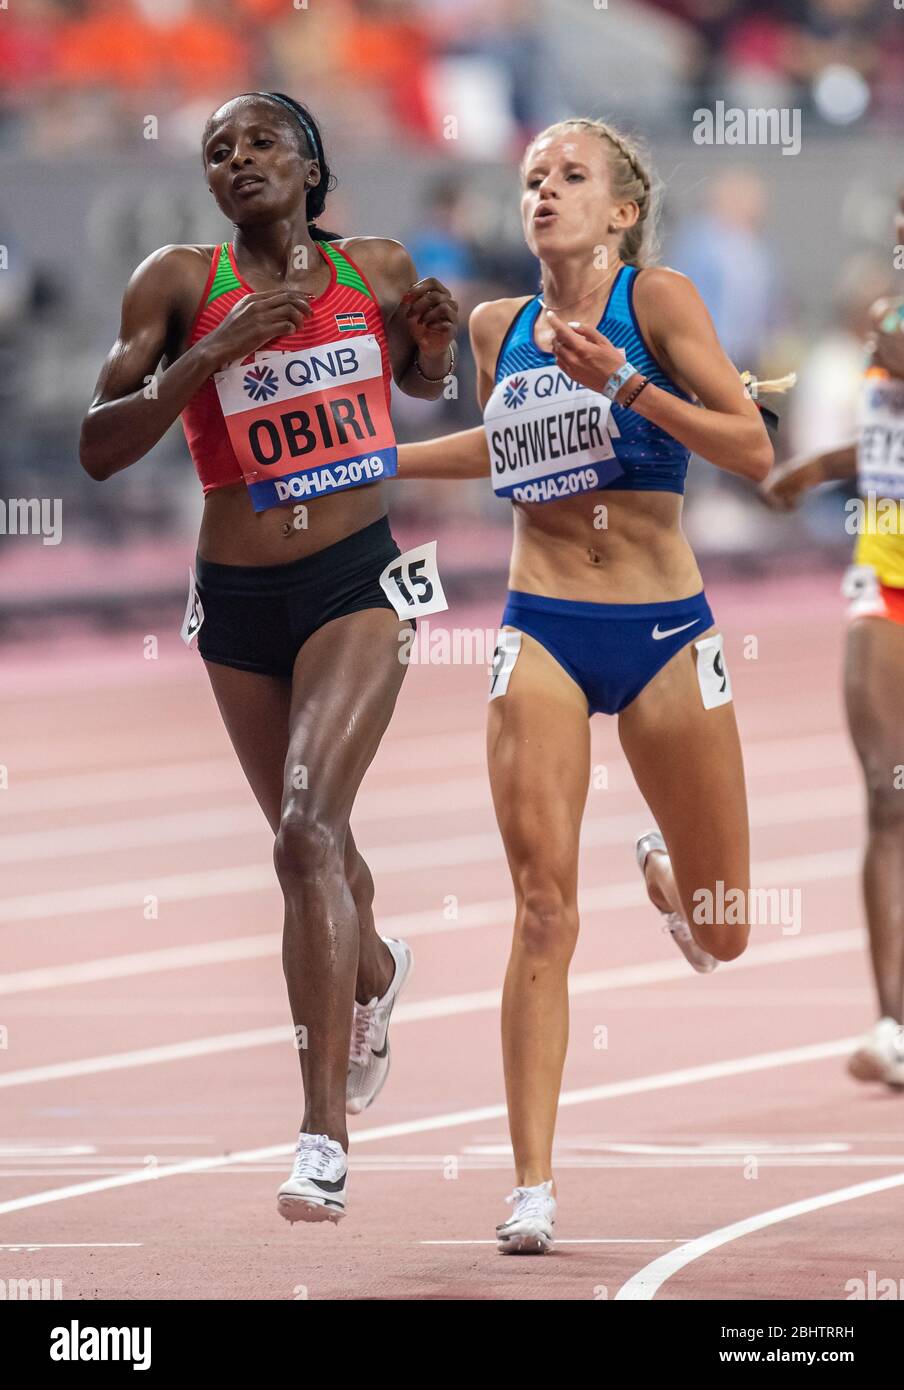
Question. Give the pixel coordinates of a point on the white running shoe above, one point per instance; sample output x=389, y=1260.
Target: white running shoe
x=316, y=1189
x=880, y=1057
x=673, y=922
x=368, y=1058
x=529, y=1229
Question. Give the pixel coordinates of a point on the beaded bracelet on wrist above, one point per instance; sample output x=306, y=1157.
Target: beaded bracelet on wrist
x=629, y=400
x=435, y=380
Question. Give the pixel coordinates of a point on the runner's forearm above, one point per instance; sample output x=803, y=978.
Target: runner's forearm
x=437, y=368
x=736, y=443
x=831, y=466
x=461, y=455
x=116, y=434
x=838, y=464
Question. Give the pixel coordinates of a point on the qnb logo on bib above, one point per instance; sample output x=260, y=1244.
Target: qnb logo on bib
x=306, y=423
x=549, y=436
x=515, y=392
x=261, y=383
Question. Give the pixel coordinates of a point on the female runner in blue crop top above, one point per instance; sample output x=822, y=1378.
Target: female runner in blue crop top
x=606, y=610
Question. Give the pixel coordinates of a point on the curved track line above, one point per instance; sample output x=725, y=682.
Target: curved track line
x=687, y=1076
x=647, y=1282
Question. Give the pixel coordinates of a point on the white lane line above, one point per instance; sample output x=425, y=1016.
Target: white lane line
x=130, y=784
x=188, y=887
x=437, y=1163
x=244, y=820
x=587, y=1240
x=134, y=784
x=46, y=1151
x=457, y=851
x=77, y=1245
x=492, y=913
x=148, y=1056
x=685, y=1076
x=441, y=1006
x=135, y=781
x=141, y=963
x=737, y=1147
x=240, y=819
x=729, y=1147
x=647, y=1282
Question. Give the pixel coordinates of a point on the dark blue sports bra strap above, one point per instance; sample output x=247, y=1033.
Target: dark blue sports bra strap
x=509, y=332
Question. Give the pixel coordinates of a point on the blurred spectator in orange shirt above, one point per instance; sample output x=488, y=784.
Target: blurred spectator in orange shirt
x=384, y=47
x=361, y=64
x=140, y=44
x=111, y=44
x=209, y=46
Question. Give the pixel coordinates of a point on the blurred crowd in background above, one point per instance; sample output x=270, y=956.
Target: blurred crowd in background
x=79, y=78
x=73, y=71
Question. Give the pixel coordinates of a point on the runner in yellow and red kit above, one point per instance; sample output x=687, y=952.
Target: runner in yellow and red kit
x=874, y=659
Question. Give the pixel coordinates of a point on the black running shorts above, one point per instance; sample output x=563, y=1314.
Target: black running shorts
x=258, y=617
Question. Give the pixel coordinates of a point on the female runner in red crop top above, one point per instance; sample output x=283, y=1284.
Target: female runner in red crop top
x=299, y=638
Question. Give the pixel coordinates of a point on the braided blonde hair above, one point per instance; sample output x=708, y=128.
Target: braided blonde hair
x=630, y=180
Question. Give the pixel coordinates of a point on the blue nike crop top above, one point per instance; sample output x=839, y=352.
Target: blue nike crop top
x=650, y=459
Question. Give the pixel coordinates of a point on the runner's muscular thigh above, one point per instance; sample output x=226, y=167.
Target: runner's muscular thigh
x=688, y=766
x=538, y=751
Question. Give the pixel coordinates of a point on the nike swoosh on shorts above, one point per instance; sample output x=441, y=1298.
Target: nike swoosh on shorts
x=658, y=636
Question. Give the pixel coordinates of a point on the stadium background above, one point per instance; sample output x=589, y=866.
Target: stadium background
x=425, y=107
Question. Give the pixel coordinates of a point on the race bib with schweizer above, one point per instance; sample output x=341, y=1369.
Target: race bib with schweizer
x=307, y=423
x=880, y=450
x=549, y=436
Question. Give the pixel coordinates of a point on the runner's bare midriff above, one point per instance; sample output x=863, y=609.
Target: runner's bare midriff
x=232, y=533
x=640, y=554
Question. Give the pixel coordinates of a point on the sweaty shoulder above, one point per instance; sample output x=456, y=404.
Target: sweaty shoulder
x=176, y=264
x=380, y=256
x=488, y=325
x=174, y=276
x=667, y=302
x=662, y=286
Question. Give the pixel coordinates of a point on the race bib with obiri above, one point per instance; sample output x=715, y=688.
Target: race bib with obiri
x=307, y=423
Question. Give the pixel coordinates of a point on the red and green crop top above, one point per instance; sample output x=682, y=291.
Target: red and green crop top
x=347, y=308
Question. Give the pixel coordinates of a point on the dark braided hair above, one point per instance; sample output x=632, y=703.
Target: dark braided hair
x=312, y=148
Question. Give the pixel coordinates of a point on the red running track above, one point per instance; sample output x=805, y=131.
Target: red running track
x=710, y=1142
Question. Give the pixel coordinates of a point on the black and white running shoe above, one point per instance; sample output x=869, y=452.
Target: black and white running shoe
x=369, y=1055
x=316, y=1189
